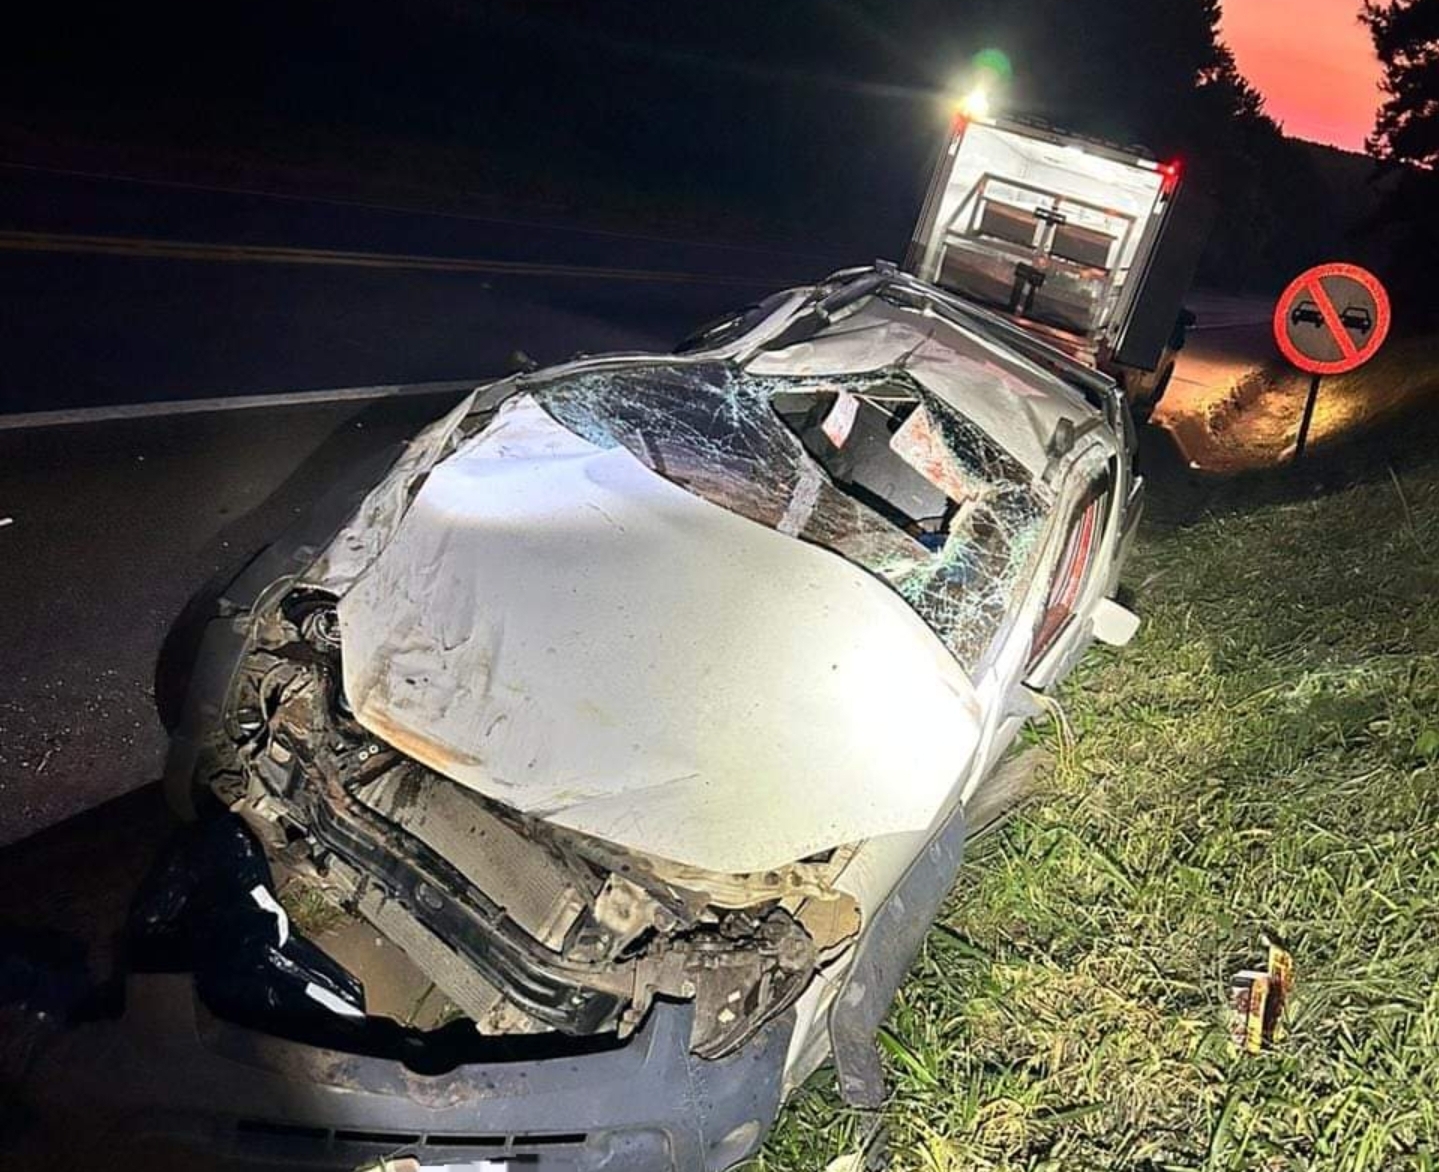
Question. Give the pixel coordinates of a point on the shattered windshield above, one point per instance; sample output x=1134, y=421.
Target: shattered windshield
x=872, y=466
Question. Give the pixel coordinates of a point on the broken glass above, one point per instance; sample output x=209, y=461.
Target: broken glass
x=872, y=466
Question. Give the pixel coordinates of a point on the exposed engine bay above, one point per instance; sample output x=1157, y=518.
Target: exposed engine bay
x=525, y=926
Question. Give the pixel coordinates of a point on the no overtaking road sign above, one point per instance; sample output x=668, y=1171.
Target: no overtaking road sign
x=1330, y=320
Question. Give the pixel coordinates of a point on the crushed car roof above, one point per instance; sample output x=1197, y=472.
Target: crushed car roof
x=610, y=596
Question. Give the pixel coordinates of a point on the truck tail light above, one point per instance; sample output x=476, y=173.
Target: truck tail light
x=1170, y=173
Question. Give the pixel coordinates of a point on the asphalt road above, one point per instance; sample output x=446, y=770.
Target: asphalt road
x=113, y=528
x=120, y=292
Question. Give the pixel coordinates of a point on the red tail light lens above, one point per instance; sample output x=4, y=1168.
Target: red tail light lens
x=1170, y=172
x=1069, y=577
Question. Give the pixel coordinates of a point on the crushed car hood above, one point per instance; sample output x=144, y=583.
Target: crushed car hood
x=563, y=629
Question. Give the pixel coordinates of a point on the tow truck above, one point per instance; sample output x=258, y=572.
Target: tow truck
x=1089, y=245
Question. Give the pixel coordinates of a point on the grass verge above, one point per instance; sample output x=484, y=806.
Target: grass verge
x=1256, y=424
x=1266, y=754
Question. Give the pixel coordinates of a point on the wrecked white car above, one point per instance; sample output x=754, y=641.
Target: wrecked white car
x=640, y=705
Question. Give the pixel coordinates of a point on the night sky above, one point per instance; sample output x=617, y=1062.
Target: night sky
x=811, y=121
x=1322, y=85
x=594, y=87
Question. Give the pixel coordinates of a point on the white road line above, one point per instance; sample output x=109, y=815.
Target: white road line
x=81, y=415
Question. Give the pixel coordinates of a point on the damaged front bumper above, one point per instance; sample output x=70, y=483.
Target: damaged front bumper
x=169, y=1078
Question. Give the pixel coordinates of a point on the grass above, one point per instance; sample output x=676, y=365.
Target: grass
x=1265, y=755
x=312, y=914
x=1402, y=377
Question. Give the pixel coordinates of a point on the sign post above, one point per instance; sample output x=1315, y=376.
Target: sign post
x=1308, y=416
x=1329, y=320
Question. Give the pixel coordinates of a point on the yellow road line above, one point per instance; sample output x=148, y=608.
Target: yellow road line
x=152, y=249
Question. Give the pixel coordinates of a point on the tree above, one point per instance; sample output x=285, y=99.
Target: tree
x=1406, y=138
x=1406, y=37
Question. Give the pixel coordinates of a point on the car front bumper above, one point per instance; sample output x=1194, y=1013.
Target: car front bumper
x=168, y=1077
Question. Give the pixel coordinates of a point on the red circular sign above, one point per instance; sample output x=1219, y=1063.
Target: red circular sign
x=1332, y=318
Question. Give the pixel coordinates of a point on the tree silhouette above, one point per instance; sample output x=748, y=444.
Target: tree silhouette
x=1406, y=138
x=1406, y=37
